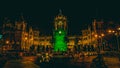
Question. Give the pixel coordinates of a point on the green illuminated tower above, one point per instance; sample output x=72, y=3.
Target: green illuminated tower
x=59, y=33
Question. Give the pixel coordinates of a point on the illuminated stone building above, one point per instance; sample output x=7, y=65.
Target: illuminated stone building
x=23, y=37
x=30, y=37
x=20, y=35
x=8, y=35
x=71, y=43
x=88, y=40
x=46, y=43
x=99, y=32
x=36, y=37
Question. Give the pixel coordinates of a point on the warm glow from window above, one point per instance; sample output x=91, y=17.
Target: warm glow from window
x=102, y=35
x=109, y=31
x=113, y=31
x=96, y=35
x=25, y=38
x=7, y=42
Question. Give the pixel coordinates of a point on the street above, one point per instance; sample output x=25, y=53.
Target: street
x=20, y=64
x=30, y=62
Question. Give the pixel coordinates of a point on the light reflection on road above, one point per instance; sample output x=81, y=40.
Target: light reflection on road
x=20, y=64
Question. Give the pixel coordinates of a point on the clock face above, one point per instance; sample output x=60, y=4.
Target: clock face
x=60, y=32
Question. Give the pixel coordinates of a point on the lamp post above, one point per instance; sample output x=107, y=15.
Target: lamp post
x=117, y=37
x=7, y=43
x=102, y=35
x=117, y=40
x=98, y=47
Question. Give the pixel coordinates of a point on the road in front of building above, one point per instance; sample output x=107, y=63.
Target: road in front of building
x=56, y=64
x=27, y=62
x=112, y=62
x=20, y=64
x=63, y=63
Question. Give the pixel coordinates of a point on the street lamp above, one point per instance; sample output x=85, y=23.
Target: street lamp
x=7, y=42
x=116, y=33
x=102, y=35
x=117, y=37
x=98, y=47
x=118, y=28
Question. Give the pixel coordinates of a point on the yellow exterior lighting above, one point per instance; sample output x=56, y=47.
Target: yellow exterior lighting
x=102, y=35
x=109, y=31
x=7, y=42
x=119, y=28
x=96, y=35
x=25, y=38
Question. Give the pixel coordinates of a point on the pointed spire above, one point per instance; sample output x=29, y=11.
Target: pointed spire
x=60, y=12
x=22, y=18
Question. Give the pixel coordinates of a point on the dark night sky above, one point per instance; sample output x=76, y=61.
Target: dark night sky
x=41, y=13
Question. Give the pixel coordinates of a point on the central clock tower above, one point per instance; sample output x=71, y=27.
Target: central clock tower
x=59, y=33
